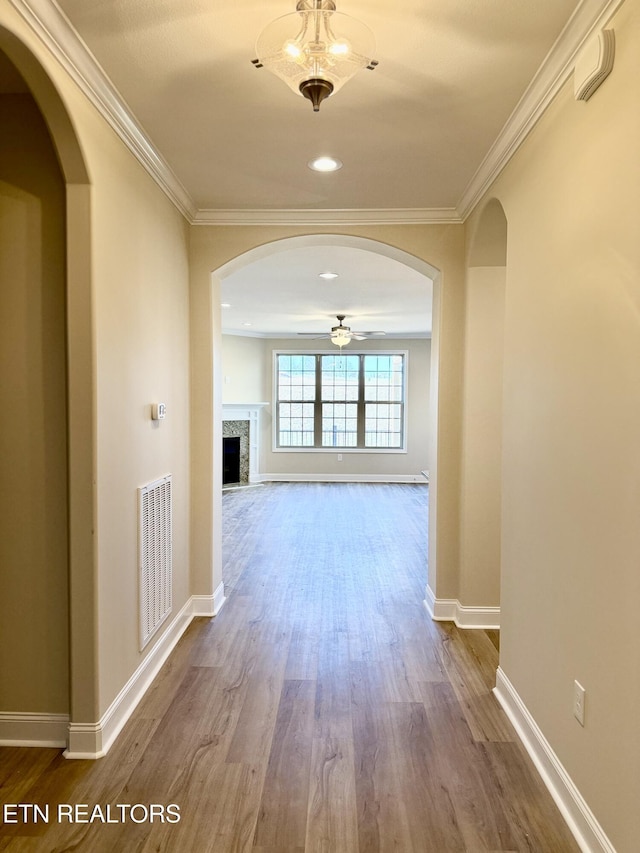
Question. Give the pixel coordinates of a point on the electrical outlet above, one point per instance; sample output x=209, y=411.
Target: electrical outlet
x=579, y=695
x=339, y=457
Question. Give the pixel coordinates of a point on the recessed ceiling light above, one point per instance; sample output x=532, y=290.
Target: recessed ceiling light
x=328, y=275
x=325, y=164
x=247, y=324
x=225, y=305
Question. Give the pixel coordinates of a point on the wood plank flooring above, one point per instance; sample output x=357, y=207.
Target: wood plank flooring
x=322, y=711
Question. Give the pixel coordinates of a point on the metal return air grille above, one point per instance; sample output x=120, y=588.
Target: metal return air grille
x=154, y=508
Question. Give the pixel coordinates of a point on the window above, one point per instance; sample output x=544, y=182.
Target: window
x=340, y=401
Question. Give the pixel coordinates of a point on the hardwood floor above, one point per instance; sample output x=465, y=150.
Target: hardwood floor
x=322, y=711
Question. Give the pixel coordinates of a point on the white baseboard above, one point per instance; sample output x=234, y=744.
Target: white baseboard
x=450, y=610
x=588, y=833
x=45, y=730
x=344, y=478
x=209, y=605
x=93, y=740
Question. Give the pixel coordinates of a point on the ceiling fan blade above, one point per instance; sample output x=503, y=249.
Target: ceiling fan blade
x=344, y=330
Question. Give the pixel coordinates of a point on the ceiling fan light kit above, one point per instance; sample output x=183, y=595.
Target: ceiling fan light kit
x=341, y=335
x=315, y=49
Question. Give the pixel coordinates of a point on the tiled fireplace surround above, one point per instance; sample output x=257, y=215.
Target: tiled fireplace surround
x=243, y=420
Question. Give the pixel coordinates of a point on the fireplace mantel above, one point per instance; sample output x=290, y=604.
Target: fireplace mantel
x=248, y=412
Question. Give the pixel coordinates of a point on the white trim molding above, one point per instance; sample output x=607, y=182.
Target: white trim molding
x=209, y=605
x=450, y=610
x=343, y=478
x=248, y=412
x=44, y=730
x=345, y=216
x=588, y=833
x=93, y=740
x=557, y=67
x=57, y=33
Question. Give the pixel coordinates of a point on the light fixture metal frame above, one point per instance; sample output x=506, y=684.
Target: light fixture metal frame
x=315, y=62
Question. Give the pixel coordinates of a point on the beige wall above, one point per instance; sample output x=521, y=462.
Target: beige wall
x=571, y=459
x=33, y=428
x=570, y=545
x=480, y=503
x=438, y=247
x=128, y=315
x=244, y=375
x=247, y=368
x=142, y=357
x=402, y=465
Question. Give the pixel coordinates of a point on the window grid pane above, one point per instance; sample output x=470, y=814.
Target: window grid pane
x=339, y=378
x=295, y=422
x=340, y=417
x=296, y=382
x=339, y=425
x=383, y=378
x=296, y=377
x=383, y=425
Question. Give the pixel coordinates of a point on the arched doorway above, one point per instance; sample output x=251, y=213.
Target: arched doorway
x=58, y=231
x=273, y=248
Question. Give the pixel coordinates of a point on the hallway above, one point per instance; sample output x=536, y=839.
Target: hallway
x=322, y=710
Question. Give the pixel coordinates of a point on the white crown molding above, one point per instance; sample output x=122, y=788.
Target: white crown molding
x=391, y=216
x=579, y=818
x=555, y=70
x=57, y=33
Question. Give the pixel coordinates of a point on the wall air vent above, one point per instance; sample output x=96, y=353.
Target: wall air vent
x=594, y=64
x=154, y=556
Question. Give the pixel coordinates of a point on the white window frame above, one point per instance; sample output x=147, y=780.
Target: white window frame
x=315, y=352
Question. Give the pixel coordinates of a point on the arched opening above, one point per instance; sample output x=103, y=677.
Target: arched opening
x=273, y=248
x=489, y=243
x=480, y=512
x=46, y=284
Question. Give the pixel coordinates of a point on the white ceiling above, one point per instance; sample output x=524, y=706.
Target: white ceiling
x=374, y=292
x=411, y=135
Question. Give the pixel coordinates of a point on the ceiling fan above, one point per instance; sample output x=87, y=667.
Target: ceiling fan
x=341, y=335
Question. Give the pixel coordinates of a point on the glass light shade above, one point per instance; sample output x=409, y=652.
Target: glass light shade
x=340, y=339
x=315, y=45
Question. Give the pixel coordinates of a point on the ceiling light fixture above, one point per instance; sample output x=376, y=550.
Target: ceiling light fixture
x=328, y=275
x=325, y=164
x=304, y=50
x=340, y=336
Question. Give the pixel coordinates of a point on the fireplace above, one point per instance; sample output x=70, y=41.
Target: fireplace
x=242, y=421
x=230, y=460
x=235, y=453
